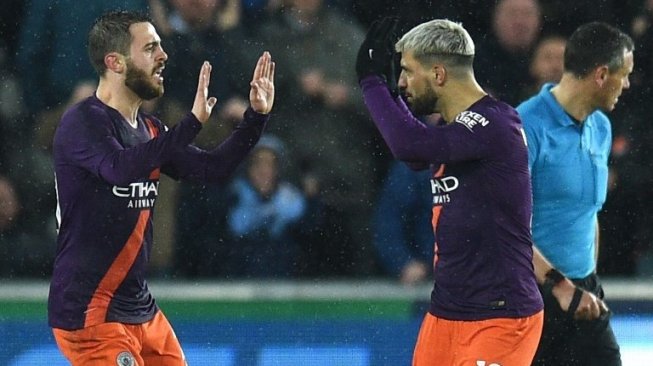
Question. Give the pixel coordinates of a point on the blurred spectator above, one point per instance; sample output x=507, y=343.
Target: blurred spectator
x=502, y=57
x=327, y=246
x=194, y=31
x=12, y=129
x=403, y=235
x=472, y=13
x=52, y=48
x=546, y=64
x=262, y=216
x=9, y=210
x=321, y=117
x=262, y=9
x=11, y=16
x=25, y=248
x=564, y=15
x=10, y=207
x=28, y=200
x=257, y=11
x=627, y=229
x=202, y=242
x=642, y=32
x=205, y=30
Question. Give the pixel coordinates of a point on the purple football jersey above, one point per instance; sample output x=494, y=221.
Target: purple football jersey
x=481, y=192
x=107, y=179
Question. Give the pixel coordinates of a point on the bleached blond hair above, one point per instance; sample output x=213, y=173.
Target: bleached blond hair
x=440, y=39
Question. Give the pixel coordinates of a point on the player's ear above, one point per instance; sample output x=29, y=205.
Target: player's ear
x=115, y=62
x=439, y=74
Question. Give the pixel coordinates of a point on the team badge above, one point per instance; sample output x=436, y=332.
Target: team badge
x=125, y=359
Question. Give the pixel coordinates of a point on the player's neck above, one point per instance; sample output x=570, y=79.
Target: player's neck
x=120, y=98
x=459, y=99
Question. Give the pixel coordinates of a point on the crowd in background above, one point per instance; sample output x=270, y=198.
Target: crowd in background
x=320, y=195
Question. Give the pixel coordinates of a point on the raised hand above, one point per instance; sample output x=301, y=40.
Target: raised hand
x=261, y=93
x=377, y=56
x=376, y=53
x=203, y=105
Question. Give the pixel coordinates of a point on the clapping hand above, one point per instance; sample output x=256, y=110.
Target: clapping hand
x=203, y=105
x=261, y=94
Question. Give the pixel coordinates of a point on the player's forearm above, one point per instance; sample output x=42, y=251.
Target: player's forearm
x=402, y=132
x=123, y=166
x=219, y=164
x=224, y=159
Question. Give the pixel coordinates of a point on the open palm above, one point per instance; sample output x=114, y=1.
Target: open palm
x=261, y=93
x=203, y=104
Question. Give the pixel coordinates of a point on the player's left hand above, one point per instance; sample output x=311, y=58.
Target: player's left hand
x=261, y=94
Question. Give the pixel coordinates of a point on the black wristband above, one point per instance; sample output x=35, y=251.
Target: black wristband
x=553, y=277
x=575, y=301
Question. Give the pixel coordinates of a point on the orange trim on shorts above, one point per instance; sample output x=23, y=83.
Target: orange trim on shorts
x=96, y=311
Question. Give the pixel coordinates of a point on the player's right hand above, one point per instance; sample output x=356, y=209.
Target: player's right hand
x=261, y=92
x=376, y=52
x=203, y=105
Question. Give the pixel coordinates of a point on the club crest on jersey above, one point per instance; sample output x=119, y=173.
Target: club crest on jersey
x=471, y=119
x=125, y=359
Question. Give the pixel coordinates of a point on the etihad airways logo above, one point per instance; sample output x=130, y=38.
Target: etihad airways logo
x=140, y=194
x=471, y=119
x=440, y=188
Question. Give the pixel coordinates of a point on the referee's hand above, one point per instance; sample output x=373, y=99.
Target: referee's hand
x=589, y=307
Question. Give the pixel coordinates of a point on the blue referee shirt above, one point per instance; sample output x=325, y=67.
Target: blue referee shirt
x=569, y=171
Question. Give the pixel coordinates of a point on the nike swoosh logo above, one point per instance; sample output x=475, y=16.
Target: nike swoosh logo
x=370, y=51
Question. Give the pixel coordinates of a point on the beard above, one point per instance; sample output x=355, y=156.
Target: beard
x=425, y=103
x=141, y=83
